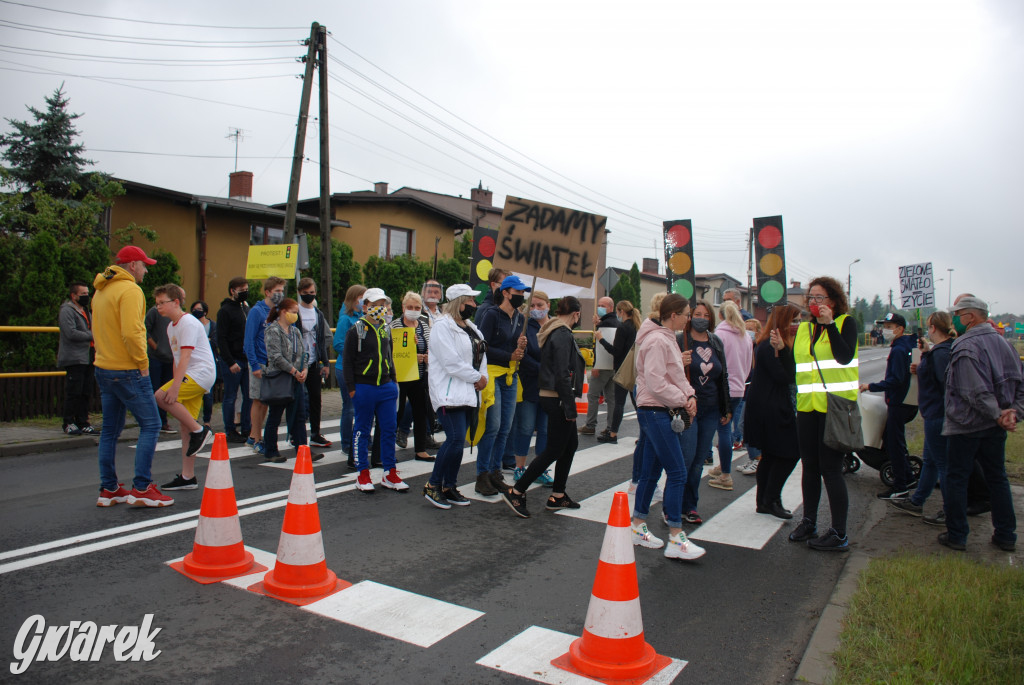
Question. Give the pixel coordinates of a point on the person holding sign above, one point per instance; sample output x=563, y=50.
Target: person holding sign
x=601, y=383
x=503, y=328
x=410, y=337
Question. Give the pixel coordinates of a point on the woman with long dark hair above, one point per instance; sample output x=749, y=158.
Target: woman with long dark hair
x=625, y=336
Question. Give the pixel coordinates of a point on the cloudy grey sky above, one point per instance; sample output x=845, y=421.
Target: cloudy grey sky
x=886, y=131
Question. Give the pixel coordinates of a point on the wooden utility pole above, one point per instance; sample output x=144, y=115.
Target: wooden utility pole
x=326, y=288
x=300, y=137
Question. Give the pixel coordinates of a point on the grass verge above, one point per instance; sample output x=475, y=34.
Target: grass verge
x=933, y=619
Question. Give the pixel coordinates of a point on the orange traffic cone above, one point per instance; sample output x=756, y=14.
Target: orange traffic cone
x=581, y=402
x=300, y=575
x=612, y=646
x=218, y=552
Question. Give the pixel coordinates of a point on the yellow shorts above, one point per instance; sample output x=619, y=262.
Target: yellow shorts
x=190, y=395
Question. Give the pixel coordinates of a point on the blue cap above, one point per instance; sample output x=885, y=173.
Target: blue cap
x=515, y=283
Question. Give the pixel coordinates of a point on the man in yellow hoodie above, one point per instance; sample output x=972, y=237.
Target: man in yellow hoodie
x=122, y=373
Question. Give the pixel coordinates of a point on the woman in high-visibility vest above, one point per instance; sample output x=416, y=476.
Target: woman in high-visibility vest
x=825, y=351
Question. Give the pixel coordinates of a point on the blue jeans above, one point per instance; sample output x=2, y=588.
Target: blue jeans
x=988, y=447
x=697, y=443
x=120, y=391
x=934, y=466
x=295, y=419
x=347, y=413
x=378, y=401
x=530, y=418
x=498, y=426
x=725, y=436
x=232, y=383
x=663, y=449
x=737, y=419
x=455, y=421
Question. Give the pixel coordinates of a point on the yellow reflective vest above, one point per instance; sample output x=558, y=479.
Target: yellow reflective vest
x=839, y=379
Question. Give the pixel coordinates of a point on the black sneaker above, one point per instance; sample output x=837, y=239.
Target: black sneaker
x=709, y=461
x=89, y=430
x=319, y=440
x=166, y=428
x=180, y=483
x=907, y=506
x=1005, y=545
x=893, y=494
x=693, y=517
x=563, y=502
x=938, y=520
x=235, y=438
x=455, y=497
x=608, y=437
x=431, y=444
x=196, y=441
x=805, y=530
x=516, y=503
x=315, y=456
x=946, y=542
x=434, y=496
x=978, y=508
x=276, y=458
x=72, y=429
x=830, y=542
x=401, y=439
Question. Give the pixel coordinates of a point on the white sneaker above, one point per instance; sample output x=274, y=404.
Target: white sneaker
x=658, y=495
x=748, y=468
x=392, y=481
x=644, y=537
x=680, y=547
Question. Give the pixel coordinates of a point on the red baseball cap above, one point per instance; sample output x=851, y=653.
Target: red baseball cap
x=131, y=253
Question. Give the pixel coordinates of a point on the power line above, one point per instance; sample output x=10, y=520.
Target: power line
x=158, y=42
x=156, y=23
x=177, y=154
x=162, y=80
x=143, y=61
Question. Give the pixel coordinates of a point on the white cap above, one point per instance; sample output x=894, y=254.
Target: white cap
x=375, y=294
x=458, y=290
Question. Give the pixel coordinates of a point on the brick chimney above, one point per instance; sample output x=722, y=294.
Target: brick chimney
x=380, y=187
x=650, y=266
x=240, y=185
x=481, y=196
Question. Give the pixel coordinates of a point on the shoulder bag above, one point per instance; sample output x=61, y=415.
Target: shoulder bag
x=277, y=388
x=626, y=375
x=842, y=419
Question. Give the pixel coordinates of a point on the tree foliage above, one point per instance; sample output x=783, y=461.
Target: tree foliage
x=627, y=288
x=345, y=271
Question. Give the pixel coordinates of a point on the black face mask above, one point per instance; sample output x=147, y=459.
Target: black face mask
x=83, y=301
x=517, y=301
x=576, y=325
x=307, y=297
x=467, y=312
x=198, y=313
x=241, y=296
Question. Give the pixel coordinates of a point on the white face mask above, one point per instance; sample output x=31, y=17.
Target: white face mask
x=412, y=314
x=750, y=334
x=888, y=334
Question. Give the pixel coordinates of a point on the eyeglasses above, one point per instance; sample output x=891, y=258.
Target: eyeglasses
x=160, y=302
x=817, y=298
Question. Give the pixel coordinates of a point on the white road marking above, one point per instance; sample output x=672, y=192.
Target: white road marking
x=529, y=654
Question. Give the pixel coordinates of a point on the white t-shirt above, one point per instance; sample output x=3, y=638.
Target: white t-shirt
x=189, y=334
x=308, y=318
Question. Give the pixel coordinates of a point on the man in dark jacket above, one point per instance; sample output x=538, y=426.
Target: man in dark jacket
x=234, y=367
x=315, y=330
x=895, y=386
x=161, y=360
x=601, y=382
x=75, y=356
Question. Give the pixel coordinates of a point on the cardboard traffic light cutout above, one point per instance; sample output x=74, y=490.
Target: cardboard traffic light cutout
x=484, y=243
x=770, y=257
x=679, y=257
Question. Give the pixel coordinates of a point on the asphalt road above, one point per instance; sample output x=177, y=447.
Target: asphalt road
x=444, y=589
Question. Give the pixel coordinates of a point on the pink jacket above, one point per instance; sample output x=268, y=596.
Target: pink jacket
x=660, y=377
x=739, y=352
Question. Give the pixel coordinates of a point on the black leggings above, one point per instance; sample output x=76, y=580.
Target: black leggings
x=560, y=450
x=416, y=393
x=620, y=407
x=821, y=463
x=772, y=473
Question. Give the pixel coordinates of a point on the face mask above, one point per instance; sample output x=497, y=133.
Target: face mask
x=83, y=301
x=699, y=325
x=467, y=312
x=377, y=313
x=360, y=302
x=412, y=314
x=888, y=334
x=750, y=334
x=793, y=328
x=198, y=313
x=276, y=298
x=308, y=297
x=602, y=311
x=958, y=325
x=291, y=317
x=241, y=296
x=814, y=309
x=538, y=314
x=517, y=301
x=577, y=324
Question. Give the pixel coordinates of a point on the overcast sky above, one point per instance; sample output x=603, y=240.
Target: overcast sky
x=885, y=131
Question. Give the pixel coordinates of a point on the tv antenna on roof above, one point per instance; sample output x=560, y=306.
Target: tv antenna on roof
x=238, y=134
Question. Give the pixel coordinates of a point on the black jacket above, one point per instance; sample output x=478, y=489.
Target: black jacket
x=374, y=363
x=231, y=331
x=501, y=332
x=625, y=336
x=769, y=421
x=561, y=365
x=719, y=349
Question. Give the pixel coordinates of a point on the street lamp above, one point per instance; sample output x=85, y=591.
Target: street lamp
x=849, y=280
x=950, y=303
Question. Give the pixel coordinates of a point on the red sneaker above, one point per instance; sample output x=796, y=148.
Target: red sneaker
x=393, y=482
x=109, y=498
x=363, y=482
x=150, y=497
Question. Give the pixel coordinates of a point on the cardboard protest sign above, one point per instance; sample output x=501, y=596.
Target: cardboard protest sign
x=272, y=260
x=917, y=286
x=403, y=348
x=550, y=242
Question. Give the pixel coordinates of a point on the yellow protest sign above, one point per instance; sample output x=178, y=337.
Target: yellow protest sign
x=403, y=349
x=549, y=242
x=272, y=260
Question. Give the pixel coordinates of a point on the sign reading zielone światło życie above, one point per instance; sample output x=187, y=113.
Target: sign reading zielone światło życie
x=917, y=286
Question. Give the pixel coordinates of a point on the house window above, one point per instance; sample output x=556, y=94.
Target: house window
x=717, y=297
x=265, y=235
x=394, y=242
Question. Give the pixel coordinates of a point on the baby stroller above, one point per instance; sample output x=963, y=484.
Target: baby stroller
x=872, y=413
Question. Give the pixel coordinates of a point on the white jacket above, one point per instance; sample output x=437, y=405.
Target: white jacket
x=450, y=372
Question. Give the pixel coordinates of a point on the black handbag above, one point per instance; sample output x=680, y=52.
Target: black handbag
x=843, y=431
x=277, y=388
